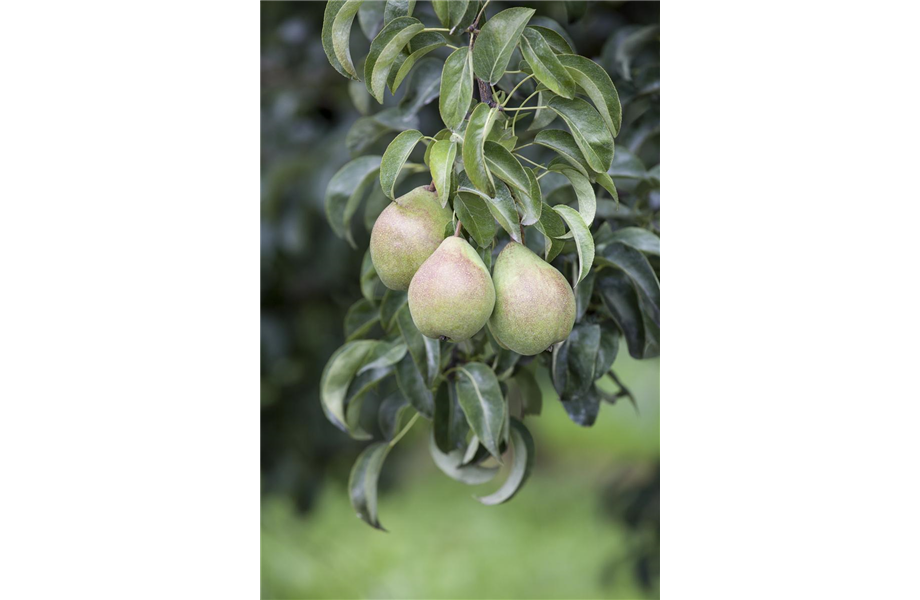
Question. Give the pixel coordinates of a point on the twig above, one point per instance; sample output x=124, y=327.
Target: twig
x=457, y=231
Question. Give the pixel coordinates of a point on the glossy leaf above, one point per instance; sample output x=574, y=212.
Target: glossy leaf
x=345, y=190
x=481, y=399
x=582, y=407
x=476, y=217
x=607, y=348
x=584, y=342
x=413, y=387
x=637, y=267
x=531, y=202
x=456, y=88
x=444, y=134
x=546, y=67
x=333, y=8
x=564, y=145
x=391, y=412
x=423, y=86
x=337, y=376
x=426, y=353
x=627, y=165
x=441, y=163
x=360, y=319
x=503, y=209
x=547, y=23
x=552, y=227
x=362, y=483
x=588, y=129
x=496, y=42
x=638, y=238
x=607, y=183
x=583, y=294
x=397, y=8
x=450, y=13
x=543, y=116
x=584, y=243
x=506, y=167
x=390, y=304
x=584, y=192
x=450, y=426
x=473, y=151
x=521, y=467
x=383, y=52
x=451, y=464
x=529, y=389
x=386, y=354
x=619, y=298
x=555, y=41
x=395, y=157
x=422, y=44
x=596, y=83
x=341, y=35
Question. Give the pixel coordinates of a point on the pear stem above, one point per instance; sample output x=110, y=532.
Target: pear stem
x=457, y=231
x=431, y=187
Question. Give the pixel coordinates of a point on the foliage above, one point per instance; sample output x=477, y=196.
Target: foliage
x=529, y=128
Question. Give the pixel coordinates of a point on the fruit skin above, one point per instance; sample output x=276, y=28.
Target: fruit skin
x=405, y=234
x=534, y=304
x=452, y=294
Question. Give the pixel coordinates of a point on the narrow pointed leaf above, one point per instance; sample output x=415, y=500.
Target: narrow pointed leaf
x=426, y=353
x=422, y=44
x=341, y=35
x=450, y=426
x=333, y=7
x=362, y=483
x=587, y=201
x=584, y=243
x=391, y=303
x=563, y=144
x=545, y=65
x=607, y=183
x=397, y=8
x=596, y=83
x=456, y=88
x=370, y=17
x=531, y=395
x=360, y=319
x=385, y=355
x=395, y=157
x=588, y=129
x=423, y=86
x=607, y=348
x=505, y=212
x=530, y=202
x=552, y=227
x=521, y=467
x=496, y=41
x=441, y=163
x=391, y=412
x=476, y=217
x=337, y=376
x=413, y=387
x=543, y=116
x=345, y=190
x=638, y=238
x=505, y=166
x=451, y=464
x=637, y=267
x=473, y=147
x=444, y=134
x=558, y=43
x=481, y=399
x=619, y=297
x=384, y=50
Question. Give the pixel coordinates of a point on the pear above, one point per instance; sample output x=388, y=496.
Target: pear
x=451, y=295
x=405, y=234
x=534, y=304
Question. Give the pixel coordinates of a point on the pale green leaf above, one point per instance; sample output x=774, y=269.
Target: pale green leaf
x=395, y=157
x=451, y=464
x=505, y=166
x=596, y=83
x=546, y=67
x=441, y=163
x=341, y=35
x=345, y=190
x=496, y=42
x=456, y=88
x=584, y=192
x=362, y=483
x=383, y=52
x=474, y=163
x=337, y=376
x=481, y=400
x=584, y=243
x=588, y=129
x=422, y=44
x=521, y=467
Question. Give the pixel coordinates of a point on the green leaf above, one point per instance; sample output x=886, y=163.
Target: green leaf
x=638, y=238
x=476, y=217
x=359, y=319
x=629, y=46
x=555, y=41
x=607, y=348
x=370, y=283
x=345, y=190
x=575, y=9
x=450, y=13
x=496, y=41
x=505, y=166
x=341, y=36
x=426, y=353
x=413, y=386
x=481, y=399
x=390, y=414
x=367, y=130
x=583, y=295
x=563, y=144
x=505, y=212
x=384, y=50
x=423, y=86
x=397, y=8
x=524, y=454
x=543, y=116
x=451, y=464
x=450, y=426
x=370, y=17
x=395, y=157
x=529, y=390
x=584, y=342
x=596, y=83
x=607, y=183
x=637, y=267
x=362, y=483
x=337, y=376
x=587, y=201
x=456, y=87
x=441, y=163
x=531, y=202
x=385, y=355
x=392, y=302
x=619, y=298
x=546, y=67
x=359, y=96
x=588, y=129
x=552, y=227
x=444, y=134
x=422, y=44
x=333, y=8
x=627, y=165
x=473, y=147
x=547, y=23
x=584, y=243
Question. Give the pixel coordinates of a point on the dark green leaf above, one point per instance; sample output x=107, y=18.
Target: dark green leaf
x=552, y=227
x=629, y=46
x=370, y=17
x=450, y=13
x=620, y=300
x=544, y=116
x=524, y=454
x=607, y=349
x=367, y=130
x=422, y=44
x=504, y=165
x=345, y=190
x=587, y=201
x=558, y=43
x=563, y=144
x=337, y=376
x=476, y=217
x=370, y=283
x=389, y=306
x=496, y=42
x=583, y=295
x=637, y=267
x=423, y=86
x=531, y=202
x=596, y=83
x=638, y=238
x=546, y=67
x=451, y=462
x=547, y=23
x=390, y=413
x=477, y=130
x=584, y=342
x=395, y=157
x=626, y=165
x=386, y=354
x=584, y=243
x=397, y=8
x=450, y=426
x=384, y=50
x=413, y=387
x=336, y=34
x=531, y=395
x=481, y=399
x=583, y=407
x=575, y=9
x=441, y=163
x=501, y=206
x=362, y=483
x=456, y=88
x=359, y=319
x=607, y=183
x=426, y=353
x=588, y=129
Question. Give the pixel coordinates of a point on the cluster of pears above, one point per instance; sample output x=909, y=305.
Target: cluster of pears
x=527, y=303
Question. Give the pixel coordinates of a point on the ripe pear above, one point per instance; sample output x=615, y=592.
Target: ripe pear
x=534, y=304
x=451, y=295
x=405, y=234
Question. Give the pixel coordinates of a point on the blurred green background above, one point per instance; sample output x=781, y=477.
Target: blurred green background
x=586, y=524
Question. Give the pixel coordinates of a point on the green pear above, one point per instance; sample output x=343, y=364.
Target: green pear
x=406, y=233
x=534, y=304
x=451, y=295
